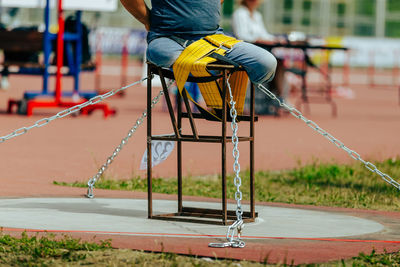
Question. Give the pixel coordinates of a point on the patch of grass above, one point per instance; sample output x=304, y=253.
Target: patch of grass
x=373, y=259
x=49, y=251
x=332, y=184
x=34, y=250
x=368, y=260
x=322, y=184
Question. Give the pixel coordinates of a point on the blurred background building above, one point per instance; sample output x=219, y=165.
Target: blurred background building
x=369, y=18
x=373, y=18
x=370, y=28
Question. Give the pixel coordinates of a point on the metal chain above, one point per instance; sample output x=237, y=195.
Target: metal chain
x=66, y=112
x=234, y=231
x=296, y=113
x=110, y=159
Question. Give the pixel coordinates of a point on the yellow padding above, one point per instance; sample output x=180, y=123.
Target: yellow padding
x=222, y=40
x=238, y=82
x=194, y=59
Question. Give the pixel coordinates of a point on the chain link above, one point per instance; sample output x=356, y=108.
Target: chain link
x=66, y=112
x=331, y=138
x=235, y=154
x=234, y=231
x=110, y=159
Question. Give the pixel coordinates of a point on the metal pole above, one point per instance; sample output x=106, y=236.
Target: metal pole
x=179, y=152
x=149, y=163
x=60, y=50
x=223, y=149
x=252, y=132
x=78, y=50
x=46, y=47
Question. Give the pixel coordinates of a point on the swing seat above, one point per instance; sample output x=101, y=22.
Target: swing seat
x=220, y=116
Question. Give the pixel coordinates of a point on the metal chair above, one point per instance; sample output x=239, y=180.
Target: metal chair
x=222, y=216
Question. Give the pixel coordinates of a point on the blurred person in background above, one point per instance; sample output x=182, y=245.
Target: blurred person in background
x=248, y=25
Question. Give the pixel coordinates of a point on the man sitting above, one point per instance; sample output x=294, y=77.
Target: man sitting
x=173, y=24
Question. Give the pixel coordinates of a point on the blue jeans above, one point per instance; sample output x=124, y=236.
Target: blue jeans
x=259, y=64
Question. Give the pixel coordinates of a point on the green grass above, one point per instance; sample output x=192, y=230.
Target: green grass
x=322, y=184
x=49, y=250
x=373, y=259
x=36, y=251
x=327, y=184
x=66, y=251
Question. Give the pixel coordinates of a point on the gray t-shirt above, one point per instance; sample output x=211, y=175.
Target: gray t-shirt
x=186, y=19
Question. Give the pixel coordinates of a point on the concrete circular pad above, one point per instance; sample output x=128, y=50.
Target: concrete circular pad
x=129, y=217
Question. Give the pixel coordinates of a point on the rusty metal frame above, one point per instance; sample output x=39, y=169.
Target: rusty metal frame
x=191, y=214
